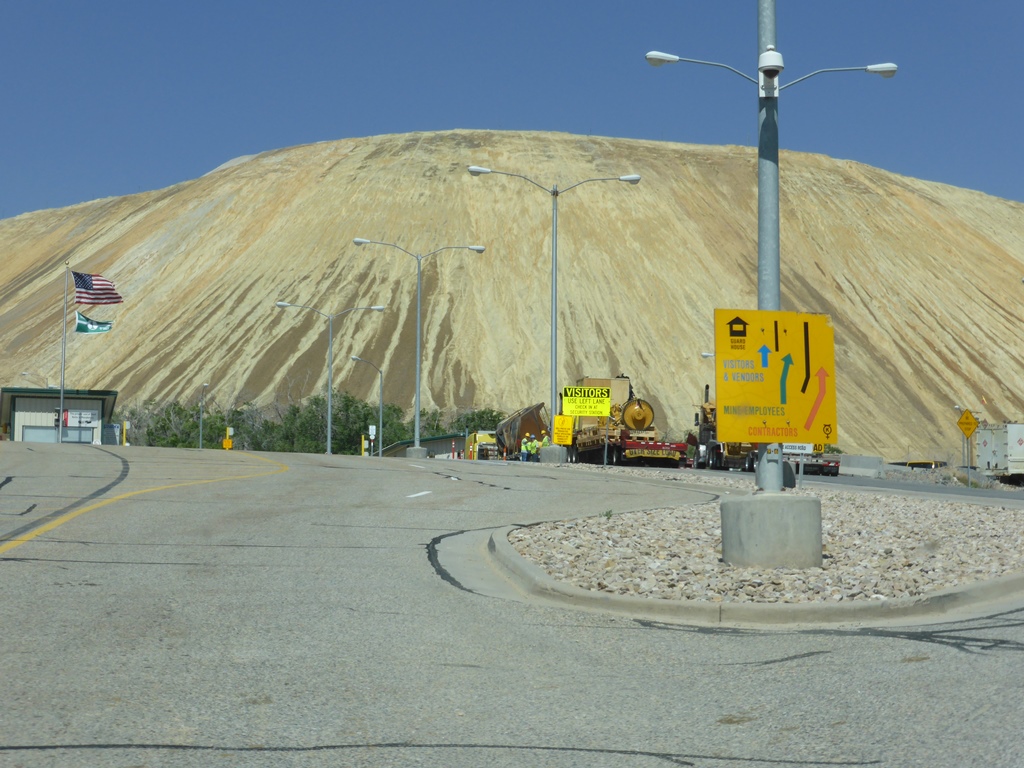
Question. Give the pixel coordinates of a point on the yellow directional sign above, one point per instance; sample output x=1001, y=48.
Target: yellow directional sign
x=967, y=423
x=775, y=377
x=586, y=401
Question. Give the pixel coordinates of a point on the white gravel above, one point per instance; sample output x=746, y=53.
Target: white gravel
x=876, y=546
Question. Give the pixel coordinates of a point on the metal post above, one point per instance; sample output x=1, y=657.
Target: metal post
x=330, y=377
x=330, y=351
x=477, y=170
x=380, y=405
x=419, y=319
x=969, y=462
x=202, y=404
x=554, y=303
x=419, y=348
x=769, y=458
x=606, y=441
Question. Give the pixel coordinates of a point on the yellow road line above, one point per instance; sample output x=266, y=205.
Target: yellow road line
x=7, y=546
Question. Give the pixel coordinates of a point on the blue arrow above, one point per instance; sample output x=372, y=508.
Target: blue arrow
x=786, y=362
x=764, y=350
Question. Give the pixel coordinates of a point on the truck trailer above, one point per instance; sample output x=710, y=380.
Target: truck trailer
x=1000, y=449
x=627, y=436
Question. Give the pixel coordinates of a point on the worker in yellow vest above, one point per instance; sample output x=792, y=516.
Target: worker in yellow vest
x=524, y=448
x=534, y=448
x=545, y=438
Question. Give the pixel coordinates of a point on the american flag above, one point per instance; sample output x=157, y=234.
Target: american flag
x=94, y=289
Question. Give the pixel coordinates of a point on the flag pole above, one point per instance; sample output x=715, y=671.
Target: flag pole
x=63, y=356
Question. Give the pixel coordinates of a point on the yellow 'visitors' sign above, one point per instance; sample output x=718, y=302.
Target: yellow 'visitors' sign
x=586, y=401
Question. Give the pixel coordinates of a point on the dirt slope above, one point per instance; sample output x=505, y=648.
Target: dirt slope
x=922, y=280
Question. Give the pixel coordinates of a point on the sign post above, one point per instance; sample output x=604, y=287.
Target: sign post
x=774, y=384
x=802, y=450
x=967, y=424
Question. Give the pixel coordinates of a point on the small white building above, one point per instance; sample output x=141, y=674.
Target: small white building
x=33, y=415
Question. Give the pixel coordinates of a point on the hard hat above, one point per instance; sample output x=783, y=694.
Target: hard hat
x=543, y=431
x=532, y=435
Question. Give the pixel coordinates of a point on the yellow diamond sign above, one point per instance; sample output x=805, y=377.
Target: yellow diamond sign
x=967, y=423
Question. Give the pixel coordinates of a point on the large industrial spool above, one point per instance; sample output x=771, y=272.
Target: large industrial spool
x=637, y=414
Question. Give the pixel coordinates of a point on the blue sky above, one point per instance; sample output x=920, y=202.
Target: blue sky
x=113, y=97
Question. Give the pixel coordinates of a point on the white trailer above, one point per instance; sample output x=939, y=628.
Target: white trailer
x=1000, y=450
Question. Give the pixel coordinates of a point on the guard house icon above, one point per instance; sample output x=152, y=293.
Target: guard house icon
x=737, y=334
x=737, y=327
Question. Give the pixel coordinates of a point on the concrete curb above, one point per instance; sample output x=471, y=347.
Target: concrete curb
x=973, y=599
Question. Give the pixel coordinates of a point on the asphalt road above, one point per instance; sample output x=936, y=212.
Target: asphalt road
x=195, y=608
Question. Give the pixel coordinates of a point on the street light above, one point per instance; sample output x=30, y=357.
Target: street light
x=419, y=320
x=202, y=403
x=45, y=378
x=380, y=406
x=330, y=350
x=554, y=191
x=769, y=66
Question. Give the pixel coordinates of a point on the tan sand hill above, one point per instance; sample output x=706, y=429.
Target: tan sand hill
x=922, y=280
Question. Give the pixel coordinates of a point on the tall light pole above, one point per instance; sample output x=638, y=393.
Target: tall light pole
x=202, y=404
x=769, y=67
x=554, y=191
x=380, y=406
x=330, y=350
x=419, y=318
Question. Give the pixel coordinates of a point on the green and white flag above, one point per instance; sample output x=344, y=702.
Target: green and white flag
x=84, y=325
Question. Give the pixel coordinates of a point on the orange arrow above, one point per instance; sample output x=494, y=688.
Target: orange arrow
x=822, y=374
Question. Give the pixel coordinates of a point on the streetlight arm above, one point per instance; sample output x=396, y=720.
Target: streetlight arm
x=631, y=179
x=885, y=70
x=361, y=360
x=657, y=58
x=476, y=248
x=286, y=304
x=364, y=241
x=477, y=170
x=375, y=308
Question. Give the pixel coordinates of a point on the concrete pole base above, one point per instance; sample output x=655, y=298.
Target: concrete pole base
x=416, y=453
x=772, y=530
x=553, y=454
